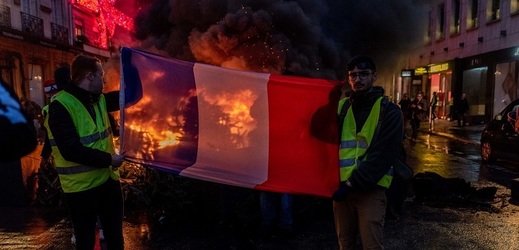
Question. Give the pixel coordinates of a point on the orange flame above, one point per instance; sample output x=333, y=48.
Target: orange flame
x=237, y=107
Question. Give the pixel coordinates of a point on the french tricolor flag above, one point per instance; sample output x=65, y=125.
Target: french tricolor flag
x=268, y=132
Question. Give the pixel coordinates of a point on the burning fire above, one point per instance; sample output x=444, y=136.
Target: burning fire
x=236, y=109
x=157, y=131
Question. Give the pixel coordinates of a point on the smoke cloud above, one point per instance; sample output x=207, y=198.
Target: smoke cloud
x=312, y=38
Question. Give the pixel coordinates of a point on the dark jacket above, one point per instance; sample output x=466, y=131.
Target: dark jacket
x=416, y=113
x=17, y=132
x=65, y=134
x=384, y=148
x=405, y=104
x=463, y=106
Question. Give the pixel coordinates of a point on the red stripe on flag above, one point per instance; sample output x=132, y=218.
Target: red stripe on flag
x=303, y=130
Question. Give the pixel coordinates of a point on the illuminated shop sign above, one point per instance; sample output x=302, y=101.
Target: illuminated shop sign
x=406, y=73
x=420, y=71
x=438, y=68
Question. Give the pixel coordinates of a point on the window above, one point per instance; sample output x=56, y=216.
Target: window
x=429, y=29
x=455, y=19
x=474, y=86
x=472, y=14
x=59, y=12
x=440, y=29
x=35, y=83
x=78, y=28
x=514, y=6
x=506, y=89
x=493, y=10
x=30, y=7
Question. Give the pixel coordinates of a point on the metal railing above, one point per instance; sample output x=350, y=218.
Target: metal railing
x=32, y=24
x=5, y=16
x=59, y=33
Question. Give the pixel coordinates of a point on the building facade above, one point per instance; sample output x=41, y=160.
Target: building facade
x=38, y=36
x=471, y=47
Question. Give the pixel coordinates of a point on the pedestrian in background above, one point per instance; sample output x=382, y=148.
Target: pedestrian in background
x=61, y=79
x=405, y=106
x=79, y=127
x=418, y=114
x=432, y=106
x=462, y=109
x=365, y=158
x=17, y=132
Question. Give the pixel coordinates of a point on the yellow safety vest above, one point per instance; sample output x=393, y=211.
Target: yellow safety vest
x=45, y=110
x=96, y=134
x=354, y=145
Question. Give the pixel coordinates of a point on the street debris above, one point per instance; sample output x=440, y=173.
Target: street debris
x=432, y=189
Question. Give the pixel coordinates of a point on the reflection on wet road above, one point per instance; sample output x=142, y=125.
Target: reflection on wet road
x=453, y=147
x=451, y=158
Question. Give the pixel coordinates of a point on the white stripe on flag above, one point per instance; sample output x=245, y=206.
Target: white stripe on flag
x=240, y=158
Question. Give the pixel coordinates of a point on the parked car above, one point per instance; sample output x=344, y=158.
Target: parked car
x=500, y=138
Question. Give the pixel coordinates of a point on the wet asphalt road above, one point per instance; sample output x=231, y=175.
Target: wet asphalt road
x=423, y=227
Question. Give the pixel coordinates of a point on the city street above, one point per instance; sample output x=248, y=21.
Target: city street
x=427, y=224
x=212, y=101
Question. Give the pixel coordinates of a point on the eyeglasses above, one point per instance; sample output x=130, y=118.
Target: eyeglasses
x=361, y=74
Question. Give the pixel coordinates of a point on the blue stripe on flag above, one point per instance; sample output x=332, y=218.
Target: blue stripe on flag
x=133, y=92
x=166, y=104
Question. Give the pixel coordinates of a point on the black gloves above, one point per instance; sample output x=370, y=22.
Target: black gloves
x=341, y=193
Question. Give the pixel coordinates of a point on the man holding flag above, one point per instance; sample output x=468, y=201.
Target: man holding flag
x=82, y=144
x=366, y=157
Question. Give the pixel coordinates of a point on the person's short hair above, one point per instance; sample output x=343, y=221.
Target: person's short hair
x=361, y=62
x=81, y=66
x=62, y=77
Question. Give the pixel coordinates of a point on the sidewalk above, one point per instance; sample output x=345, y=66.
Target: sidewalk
x=467, y=134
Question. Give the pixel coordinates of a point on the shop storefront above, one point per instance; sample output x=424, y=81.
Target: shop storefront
x=505, y=88
x=440, y=81
x=490, y=82
x=474, y=87
x=418, y=81
x=26, y=62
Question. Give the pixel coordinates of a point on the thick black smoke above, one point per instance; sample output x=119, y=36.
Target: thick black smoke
x=310, y=38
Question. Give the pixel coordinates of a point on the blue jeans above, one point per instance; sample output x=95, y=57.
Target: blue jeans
x=276, y=207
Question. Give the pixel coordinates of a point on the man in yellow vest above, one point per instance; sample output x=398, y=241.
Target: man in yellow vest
x=82, y=144
x=365, y=158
